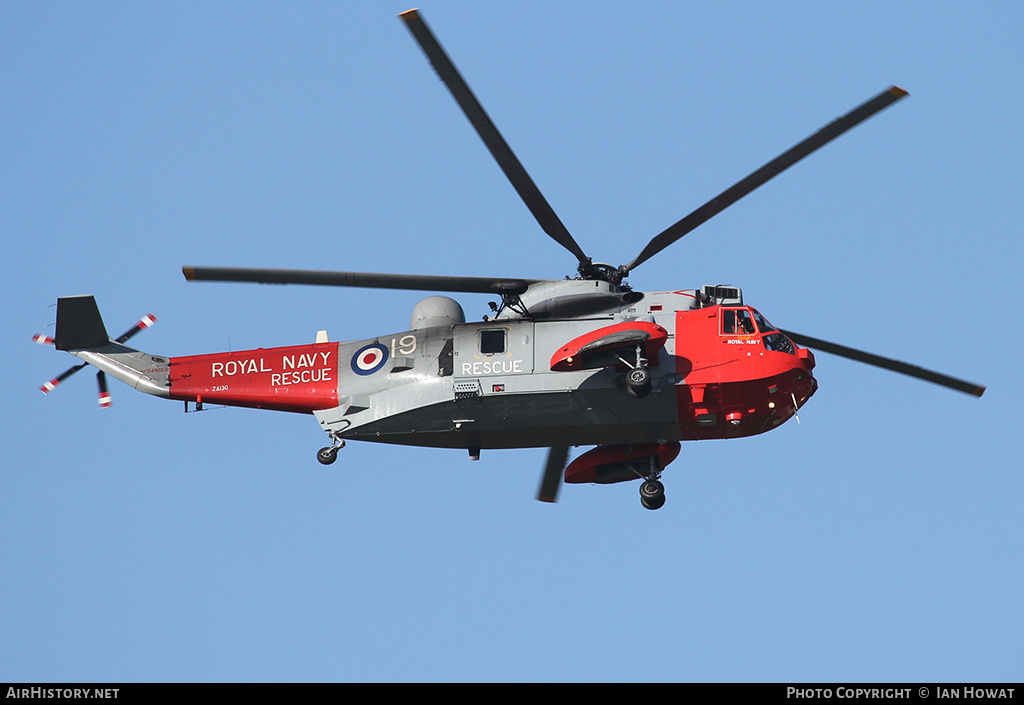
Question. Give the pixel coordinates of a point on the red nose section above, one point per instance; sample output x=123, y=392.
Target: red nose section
x=300, y=378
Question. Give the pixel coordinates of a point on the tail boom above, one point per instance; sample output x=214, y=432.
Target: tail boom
x=141, y=371
x=298, y=378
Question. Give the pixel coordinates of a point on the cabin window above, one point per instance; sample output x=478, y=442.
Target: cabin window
x=492, y=341
x=737, y=321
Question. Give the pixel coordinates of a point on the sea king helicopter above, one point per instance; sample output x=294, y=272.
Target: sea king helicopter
x=584, y=361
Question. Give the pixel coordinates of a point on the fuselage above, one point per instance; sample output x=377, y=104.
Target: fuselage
x=724, y=372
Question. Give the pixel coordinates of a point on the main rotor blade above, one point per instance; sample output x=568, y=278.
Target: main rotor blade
x=734, y=193
x=484, y=127
x=551, y=480
x=894, y=365
x=418, y=282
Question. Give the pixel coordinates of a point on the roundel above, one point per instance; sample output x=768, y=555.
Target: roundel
x=369, y=358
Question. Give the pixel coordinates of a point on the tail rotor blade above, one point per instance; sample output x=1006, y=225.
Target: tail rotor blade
x=551, y=481
x=52, y=384
x=101, y=380
x=144, y=322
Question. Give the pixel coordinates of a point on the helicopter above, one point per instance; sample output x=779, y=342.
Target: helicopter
x=582, y=361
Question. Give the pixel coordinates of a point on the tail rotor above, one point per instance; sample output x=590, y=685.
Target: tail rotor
x=101, y=378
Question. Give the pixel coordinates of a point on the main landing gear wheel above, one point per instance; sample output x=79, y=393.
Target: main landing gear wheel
x=652, y=494
x=638, y=379
x=638, y=382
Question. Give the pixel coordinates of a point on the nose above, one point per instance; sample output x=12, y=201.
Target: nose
x=806, y=384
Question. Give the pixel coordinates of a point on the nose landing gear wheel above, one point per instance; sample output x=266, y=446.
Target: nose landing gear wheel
x=326, y=456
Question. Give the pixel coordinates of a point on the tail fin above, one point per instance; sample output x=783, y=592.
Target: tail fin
x=79, y=324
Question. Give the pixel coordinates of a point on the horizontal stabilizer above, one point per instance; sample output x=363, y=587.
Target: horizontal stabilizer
x=79, y=325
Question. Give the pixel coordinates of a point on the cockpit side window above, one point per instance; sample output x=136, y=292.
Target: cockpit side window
x=737, y=321
x=762, y=323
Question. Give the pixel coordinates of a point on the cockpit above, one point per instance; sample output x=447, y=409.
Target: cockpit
x=738, y=321
x=748, y=321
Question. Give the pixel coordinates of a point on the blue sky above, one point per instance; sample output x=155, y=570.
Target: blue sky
x=878, y=539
